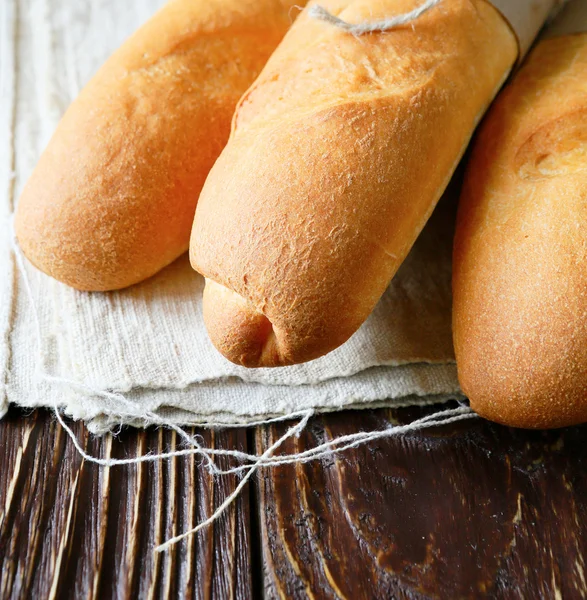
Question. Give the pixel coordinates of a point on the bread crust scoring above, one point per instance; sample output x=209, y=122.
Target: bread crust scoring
x=520, y=255
x=338, y=154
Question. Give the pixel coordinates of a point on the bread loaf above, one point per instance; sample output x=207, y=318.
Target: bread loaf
x=112, y=199
x=520, y=255
x=338, y=153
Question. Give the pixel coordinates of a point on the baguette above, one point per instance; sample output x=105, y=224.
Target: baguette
x=520, y=254
x=112, y=199
x=338, y=154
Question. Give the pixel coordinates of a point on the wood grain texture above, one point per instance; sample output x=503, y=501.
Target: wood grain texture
x=70, y=529
x=471, y=510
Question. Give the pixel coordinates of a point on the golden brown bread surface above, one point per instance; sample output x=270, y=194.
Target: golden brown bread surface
x=338, y=154
x=113, y=197
x=520, y=256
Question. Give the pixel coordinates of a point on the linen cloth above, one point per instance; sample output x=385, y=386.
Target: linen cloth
x=149, y=341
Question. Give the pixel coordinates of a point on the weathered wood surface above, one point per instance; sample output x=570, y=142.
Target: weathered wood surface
x=471, y=510
x=71, y=529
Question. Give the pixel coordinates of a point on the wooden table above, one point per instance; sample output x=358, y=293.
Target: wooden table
x=468, y=510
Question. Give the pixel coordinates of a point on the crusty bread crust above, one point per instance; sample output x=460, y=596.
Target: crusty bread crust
x=338, y=154
x=112, y=199
x=520, y=256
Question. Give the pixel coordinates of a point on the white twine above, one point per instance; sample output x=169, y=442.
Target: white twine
x=295, y=430
x=124, y=409
x=319, y=12
x=353, y=440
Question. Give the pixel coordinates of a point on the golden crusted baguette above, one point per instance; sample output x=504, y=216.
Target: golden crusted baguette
x=520, y=256
x=112, y=199
x=338, y=155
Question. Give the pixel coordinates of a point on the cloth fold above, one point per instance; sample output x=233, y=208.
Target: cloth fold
x=149, y=342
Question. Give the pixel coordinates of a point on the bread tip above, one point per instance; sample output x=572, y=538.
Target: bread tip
x=242, y=334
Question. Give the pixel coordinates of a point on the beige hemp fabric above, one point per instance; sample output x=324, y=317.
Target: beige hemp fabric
x=149, y=342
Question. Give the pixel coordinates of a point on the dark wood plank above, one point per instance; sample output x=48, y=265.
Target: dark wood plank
x=71, y=529
x=470, y=510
